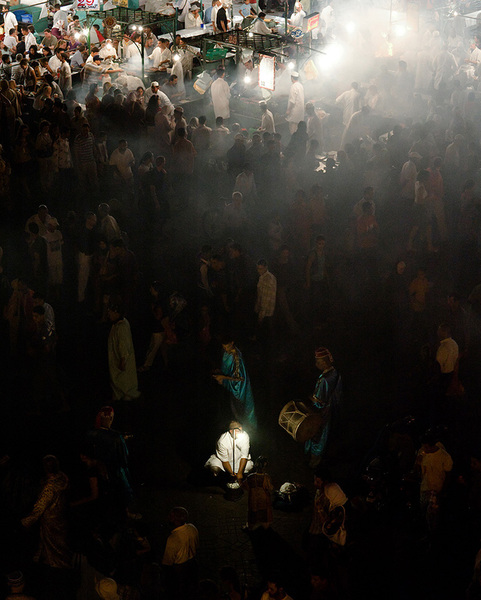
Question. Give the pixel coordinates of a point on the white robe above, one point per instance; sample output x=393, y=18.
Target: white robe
x=220, y=92
x=444, y=66
x=296, y=103
x=350, y=102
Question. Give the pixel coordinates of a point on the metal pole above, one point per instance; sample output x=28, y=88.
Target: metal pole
x=285, y=16
x=175, y=28
x=142, y=50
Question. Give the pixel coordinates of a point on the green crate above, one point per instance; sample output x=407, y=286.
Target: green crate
x=216, y=53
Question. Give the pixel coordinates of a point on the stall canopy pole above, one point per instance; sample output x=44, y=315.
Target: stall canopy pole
x=142, y=50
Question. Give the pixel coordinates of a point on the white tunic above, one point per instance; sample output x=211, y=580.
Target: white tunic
x=220, y=92
x=9, y=22
x=225, y=450
x=296, y=103
x=350, y=102
x=159, y=55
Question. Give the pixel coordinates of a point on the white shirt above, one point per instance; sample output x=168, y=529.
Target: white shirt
x=220, y=93
x=159, y=55
x=267, y=122
x=350, y=102
x=181, y=545
x=260, y=27
x=182, y=7
x=192, y=21
x=9, y=21
x=447, y=355
x=54, y=63
x=296, y=103
x=123, y=163
x=107, y=52
x=30, y=40
x=297, y=18
x=225, y=448
x=10, y=41
x=133, y=50
x=60, y=15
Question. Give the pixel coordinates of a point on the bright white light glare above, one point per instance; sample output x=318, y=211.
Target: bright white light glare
x=77, y=35
x=247, y=79
x=109, y=46
x=400, y=30
x=291, y=65
x=455, y=13
x=333, y=55
x=140, y=28
x=134, y=27
x=85, y=31
x=251, y=34
x=176, y=56
x=351, y=27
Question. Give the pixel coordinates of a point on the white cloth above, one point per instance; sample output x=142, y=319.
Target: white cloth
x=123, y=162
x=267, y=122
x=107, y=52
x=260, y=27
x=9, y=21
x=220, y=93
x=192, y=21
x=54, y=63
x=60, y=15
x=350, y=102
x=182, y=7
x=296, y=103
x=30, y=40
x=10, y=42
x=447, y=355
x=133, y=50
x=297, y=18
x=181, y=545
x=225, y=451
x=159, y=55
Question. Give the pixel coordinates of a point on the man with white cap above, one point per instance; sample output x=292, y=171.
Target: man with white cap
x=107, y=50
x=220, y=93
x=164, y=99
x=193, y=18
x=295, y=103
x=325, y=400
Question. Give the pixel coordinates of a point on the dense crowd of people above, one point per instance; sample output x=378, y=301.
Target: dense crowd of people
x=142, y=241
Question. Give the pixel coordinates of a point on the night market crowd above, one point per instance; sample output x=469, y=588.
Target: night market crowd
x=140, y=248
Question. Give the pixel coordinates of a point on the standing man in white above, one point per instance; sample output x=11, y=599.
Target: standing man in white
x=9, y=20
x=295, y=103
x=220, y=92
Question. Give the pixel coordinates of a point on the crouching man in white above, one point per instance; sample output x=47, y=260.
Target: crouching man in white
x=232, y=453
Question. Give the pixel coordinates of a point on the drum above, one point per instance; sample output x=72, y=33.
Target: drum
x=300, y=421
